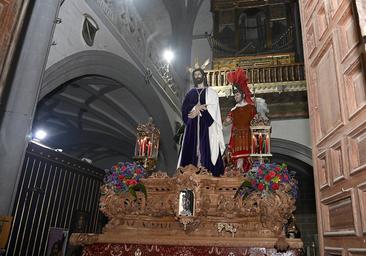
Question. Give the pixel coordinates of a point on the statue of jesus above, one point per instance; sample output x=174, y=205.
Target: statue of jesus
x=203, y=141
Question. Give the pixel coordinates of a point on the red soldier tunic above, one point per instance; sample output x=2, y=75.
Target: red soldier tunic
x=240, y=140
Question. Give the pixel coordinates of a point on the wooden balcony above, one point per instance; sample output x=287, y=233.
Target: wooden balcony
x=263, y=79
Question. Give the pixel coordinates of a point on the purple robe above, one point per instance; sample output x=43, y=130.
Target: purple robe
x=189, y=144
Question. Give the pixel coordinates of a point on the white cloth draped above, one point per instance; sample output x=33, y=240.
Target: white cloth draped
x=217, y=144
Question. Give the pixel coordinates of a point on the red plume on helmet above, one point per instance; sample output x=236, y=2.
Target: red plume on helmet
x=239, y=79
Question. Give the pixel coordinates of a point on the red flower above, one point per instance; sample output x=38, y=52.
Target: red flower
x=131, y=182
x=267, y=178
x=138, y=171
x=121, y=177
x=260, y=172
x=254, y=182
x=277, y=169
x=275, y=186
x=272, y=174
x=123, y=168
x=260, y=186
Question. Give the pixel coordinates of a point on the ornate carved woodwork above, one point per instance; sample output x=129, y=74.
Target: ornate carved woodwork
x=335, y=70
x=266, y=75
x=262, y=79
x=217, y=219
x=254, y=61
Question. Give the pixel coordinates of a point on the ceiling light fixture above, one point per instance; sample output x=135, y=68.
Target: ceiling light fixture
x=168, y=55
x=40, y=135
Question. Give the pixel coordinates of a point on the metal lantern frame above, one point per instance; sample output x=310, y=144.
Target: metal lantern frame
x=260, y=139
x=147, y=145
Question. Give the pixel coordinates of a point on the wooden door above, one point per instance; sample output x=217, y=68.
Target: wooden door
x=12, y=13
x=334, y=54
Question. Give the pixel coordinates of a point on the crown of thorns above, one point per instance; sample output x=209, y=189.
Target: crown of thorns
x=197, y=66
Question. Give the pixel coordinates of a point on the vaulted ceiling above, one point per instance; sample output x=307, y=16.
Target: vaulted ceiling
x=92, y=117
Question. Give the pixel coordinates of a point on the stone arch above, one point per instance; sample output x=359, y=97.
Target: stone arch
x=292, y=149
x=105, y=64
x=299, y=160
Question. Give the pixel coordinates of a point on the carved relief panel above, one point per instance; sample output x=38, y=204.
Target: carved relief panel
x=335, y=66
x=327, y=89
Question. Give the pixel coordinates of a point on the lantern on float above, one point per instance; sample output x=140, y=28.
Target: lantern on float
x=147, y=145
x=260, y=129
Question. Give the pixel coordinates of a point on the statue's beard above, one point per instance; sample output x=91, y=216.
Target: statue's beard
x=198, y=81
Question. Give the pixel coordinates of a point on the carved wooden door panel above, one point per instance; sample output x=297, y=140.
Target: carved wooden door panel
x=12, y=14
x=335, y=68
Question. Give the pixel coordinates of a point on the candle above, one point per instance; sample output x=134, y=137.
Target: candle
x=267, y=144
x=260, y=143
x=143, y=146
x=149, y=149
x=156, y=150
x=137, y=150
x=254, y=144
x=139, y=147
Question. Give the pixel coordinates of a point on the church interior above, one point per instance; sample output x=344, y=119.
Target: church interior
x=98, y=155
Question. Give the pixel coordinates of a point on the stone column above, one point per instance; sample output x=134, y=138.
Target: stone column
x=23, y=97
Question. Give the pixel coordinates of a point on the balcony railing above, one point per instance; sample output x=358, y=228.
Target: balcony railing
x=264, y=74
